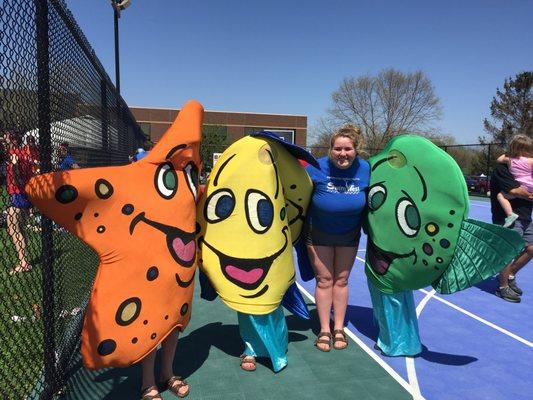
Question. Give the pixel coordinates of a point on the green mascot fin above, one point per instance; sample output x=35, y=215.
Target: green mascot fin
x=482, y=250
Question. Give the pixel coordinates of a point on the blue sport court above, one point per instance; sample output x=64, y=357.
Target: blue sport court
x=476, y=345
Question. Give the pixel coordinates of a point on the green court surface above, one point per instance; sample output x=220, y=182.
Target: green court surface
x=208, y=353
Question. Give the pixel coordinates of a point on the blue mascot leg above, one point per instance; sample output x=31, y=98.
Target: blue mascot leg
x=265, y=336
x=398, y=325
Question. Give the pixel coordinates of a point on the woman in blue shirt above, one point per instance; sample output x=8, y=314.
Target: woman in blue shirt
x=333, y=229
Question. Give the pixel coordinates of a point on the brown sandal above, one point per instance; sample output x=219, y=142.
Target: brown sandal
x=175, y=383
x=146, y=396
x=247, y=360
x=323, y=341
x=19, y=268
x=339, y=339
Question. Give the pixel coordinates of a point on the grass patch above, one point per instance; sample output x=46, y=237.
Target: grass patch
x=21, y=304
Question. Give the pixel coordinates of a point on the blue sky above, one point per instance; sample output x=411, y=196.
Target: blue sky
x=288, y=56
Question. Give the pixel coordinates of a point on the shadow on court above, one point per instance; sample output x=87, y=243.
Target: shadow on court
x=208, y=356
x=488, y=285
x=363, y=320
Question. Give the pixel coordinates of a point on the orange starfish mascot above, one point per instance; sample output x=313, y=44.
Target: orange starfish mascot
x=140, y=220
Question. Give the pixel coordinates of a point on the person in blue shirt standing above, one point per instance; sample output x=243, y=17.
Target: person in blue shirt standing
x=65, y=161
x=333, y=229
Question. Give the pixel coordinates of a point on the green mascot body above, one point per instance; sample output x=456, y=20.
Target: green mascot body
x=419, y=235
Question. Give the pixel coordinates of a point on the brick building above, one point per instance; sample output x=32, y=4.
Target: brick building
x=155, y=121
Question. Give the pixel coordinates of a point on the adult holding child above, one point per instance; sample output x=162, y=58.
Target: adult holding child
x=511, y=205
x=520, y=164
x=333, y=229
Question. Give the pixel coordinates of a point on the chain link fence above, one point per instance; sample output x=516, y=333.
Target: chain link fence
x=58, y=110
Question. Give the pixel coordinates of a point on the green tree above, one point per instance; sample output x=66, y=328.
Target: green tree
x=384, y=105
x=467, y=157
x=320, y=134
x=214, y=140
x=511, y=109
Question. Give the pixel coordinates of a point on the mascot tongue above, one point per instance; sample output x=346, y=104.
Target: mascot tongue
x=378, y=264
x=184, y=251
x=240, y=275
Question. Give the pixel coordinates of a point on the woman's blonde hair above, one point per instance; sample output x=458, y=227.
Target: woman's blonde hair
x=351, y=132
x=520, y=146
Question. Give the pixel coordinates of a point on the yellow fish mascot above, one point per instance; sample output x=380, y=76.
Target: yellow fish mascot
x=251, y=213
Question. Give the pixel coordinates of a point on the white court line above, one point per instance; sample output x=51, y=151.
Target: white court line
x=410, y=361
x=367, y=350
x=484, y=321
x=424, y=301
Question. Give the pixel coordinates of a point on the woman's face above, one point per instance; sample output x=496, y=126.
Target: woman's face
x=342, y=153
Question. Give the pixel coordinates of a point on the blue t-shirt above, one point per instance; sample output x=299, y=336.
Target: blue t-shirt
x=140, y=156
x=339, y=196
x=66, y=163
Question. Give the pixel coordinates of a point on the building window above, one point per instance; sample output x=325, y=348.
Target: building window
x=146, y=127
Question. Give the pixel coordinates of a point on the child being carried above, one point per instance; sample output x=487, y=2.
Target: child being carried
x=521, y=167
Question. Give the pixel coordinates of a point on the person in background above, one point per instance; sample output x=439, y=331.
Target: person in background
x=502, y=181
x=32, y=152
x=142, y=151
x=19, y=170
x=520, y=166
x=65, y=161
x=204, y=177
x=138, y=155
x=333, y=229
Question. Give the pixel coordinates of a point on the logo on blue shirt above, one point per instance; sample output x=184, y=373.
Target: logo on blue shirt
x=346, y=187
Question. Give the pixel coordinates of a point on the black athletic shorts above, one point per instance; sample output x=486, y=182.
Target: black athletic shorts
x=316, y=237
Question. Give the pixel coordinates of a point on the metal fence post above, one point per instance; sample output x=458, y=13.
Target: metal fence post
x=488, y=160
x=45, y=145
x=119, y=125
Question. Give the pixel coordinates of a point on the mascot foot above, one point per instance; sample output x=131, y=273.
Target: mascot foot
x=178, y=386
x=151, y=393
x=247, y=362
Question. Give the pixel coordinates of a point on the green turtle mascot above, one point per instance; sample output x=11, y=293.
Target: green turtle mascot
x=419, y=234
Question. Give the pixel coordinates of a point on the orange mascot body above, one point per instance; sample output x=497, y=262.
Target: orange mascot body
x=140, y=220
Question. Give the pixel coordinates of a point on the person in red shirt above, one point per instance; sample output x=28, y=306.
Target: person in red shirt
x=19, y=170
x=32, y=152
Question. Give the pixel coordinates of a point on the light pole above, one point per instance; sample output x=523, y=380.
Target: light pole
x=118, y=6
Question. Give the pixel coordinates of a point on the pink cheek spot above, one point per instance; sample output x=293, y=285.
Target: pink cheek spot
x=249, y=277
x=184, y=251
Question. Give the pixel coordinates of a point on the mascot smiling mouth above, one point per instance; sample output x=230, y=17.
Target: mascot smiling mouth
x=181, y=244
x=380, y=260
x=247, y=273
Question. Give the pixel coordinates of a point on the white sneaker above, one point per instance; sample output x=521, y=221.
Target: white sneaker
x=510, y=220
